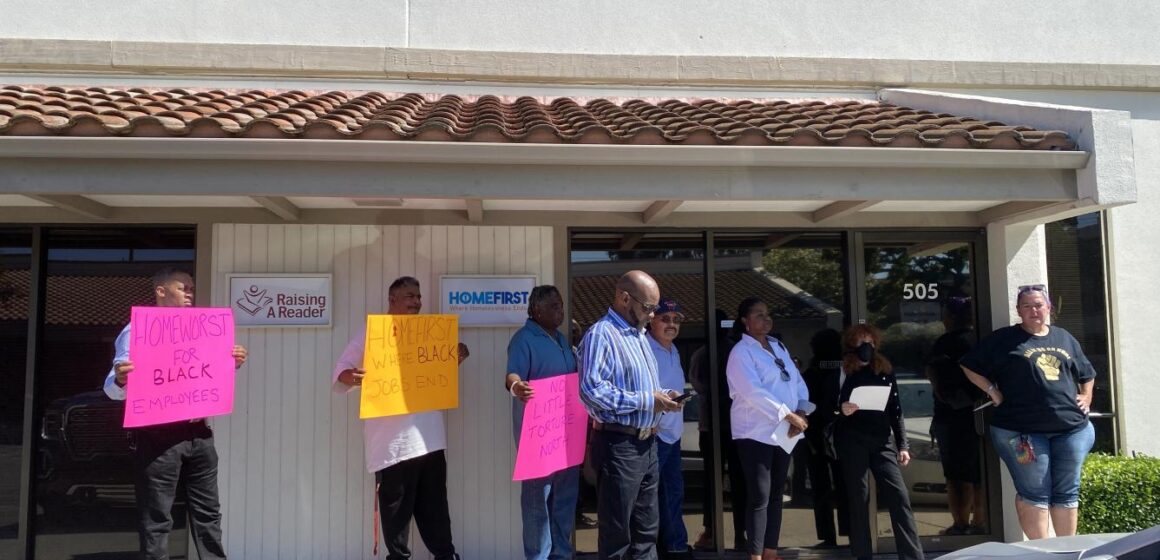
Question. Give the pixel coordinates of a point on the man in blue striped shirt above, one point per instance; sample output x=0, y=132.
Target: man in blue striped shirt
x=620, y=387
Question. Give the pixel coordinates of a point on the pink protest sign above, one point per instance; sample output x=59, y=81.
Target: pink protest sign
x=555, y=427
x=183, y=367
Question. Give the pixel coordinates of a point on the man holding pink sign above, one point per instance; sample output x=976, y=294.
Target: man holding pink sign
x=186, y=358
x=549, y=427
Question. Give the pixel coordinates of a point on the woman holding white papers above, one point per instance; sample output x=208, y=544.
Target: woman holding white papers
x=871, y=435
x=770, y=404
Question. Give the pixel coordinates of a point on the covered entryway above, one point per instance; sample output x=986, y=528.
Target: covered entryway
x=368, y=186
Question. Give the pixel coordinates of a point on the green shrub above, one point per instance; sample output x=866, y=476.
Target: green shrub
x=1119, y=494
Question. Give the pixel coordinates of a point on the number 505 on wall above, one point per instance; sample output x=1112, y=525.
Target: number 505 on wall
x=920, y=291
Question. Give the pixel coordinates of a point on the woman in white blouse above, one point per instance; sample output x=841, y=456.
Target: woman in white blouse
x=767, y=391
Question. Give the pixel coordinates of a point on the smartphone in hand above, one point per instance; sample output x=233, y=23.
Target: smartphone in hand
x=684, y=397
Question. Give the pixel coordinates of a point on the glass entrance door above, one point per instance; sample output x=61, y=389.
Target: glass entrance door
x=921, y=291
x=15, y=292
x=677, y=261
x=84, y=499
x=801, y=278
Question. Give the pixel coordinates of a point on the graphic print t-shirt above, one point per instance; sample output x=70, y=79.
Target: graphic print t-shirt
x=1037, y=375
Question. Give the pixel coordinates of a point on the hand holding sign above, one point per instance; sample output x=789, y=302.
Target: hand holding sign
x=121, y=372
x=412, y=364
x=183, y=361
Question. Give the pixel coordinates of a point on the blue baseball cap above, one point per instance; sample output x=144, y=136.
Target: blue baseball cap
x=668, y=305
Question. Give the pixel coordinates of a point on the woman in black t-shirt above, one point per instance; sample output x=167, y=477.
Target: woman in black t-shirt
x=874, y=440
x=1041, y=384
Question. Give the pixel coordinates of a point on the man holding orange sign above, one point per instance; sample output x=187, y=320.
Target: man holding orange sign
x=408, y=385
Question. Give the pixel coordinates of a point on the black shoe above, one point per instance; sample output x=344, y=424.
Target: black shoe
x=827, y=544
x=585, y=521
x=704, y=542
x=955, y=530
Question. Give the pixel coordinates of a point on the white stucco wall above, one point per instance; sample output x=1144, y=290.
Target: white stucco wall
x=1016, y=255
x=292, y=476
x=1134, y=274
x=991, y=30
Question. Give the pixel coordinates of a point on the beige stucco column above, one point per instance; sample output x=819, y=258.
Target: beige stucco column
x=1017, y=256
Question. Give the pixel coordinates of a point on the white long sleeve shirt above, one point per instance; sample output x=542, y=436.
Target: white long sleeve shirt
x=391, y=439
x=120, y=354
x=761, y=398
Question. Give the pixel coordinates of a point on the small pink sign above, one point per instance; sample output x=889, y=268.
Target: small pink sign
x=555, y=428
x=183, y=367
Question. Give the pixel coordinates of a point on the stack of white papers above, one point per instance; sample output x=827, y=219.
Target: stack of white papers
x=781, y=436
x=870, y=397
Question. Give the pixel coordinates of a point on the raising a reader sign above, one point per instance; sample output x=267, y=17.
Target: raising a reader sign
x=183, y=364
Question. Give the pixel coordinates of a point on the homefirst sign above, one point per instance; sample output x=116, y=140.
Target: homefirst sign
x=281, y=300
x=486, y=301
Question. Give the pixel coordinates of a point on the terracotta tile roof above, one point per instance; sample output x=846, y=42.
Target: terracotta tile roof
x=591, y=296
x=95, y=111
x=78, y=300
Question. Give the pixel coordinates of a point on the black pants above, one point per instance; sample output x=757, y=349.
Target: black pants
x=856, y=457
x=828, y=489
x=166, y=454
x=416, y=487
x=766, y=468
x=737, y=494
x=627, y=501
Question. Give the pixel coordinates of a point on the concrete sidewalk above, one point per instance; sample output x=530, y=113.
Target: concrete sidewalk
x=788, y=553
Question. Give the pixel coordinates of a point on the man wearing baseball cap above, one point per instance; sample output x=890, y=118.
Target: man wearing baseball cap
x=662, y=331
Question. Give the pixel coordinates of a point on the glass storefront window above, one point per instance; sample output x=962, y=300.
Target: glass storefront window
x=920, y=288
x=676, y=261
x=84, y=499
x=1075, y=277
x=801, y=277
x=15, y=287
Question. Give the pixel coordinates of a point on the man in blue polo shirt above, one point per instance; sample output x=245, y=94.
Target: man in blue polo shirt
x=537, y=351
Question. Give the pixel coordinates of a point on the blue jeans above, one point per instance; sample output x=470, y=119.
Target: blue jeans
x=548, y=506
x=1048, y=473
x=674, y=537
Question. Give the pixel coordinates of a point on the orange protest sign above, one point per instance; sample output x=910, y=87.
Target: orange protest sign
x=412, y=364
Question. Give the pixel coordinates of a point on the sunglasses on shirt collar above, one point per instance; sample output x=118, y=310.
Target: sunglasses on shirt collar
x=781, y=364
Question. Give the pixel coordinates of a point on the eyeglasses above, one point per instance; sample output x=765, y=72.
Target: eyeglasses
x=648, y=308
x=785, y=373
x=1041, y=288
x=674, y=320
x=1026, y=289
